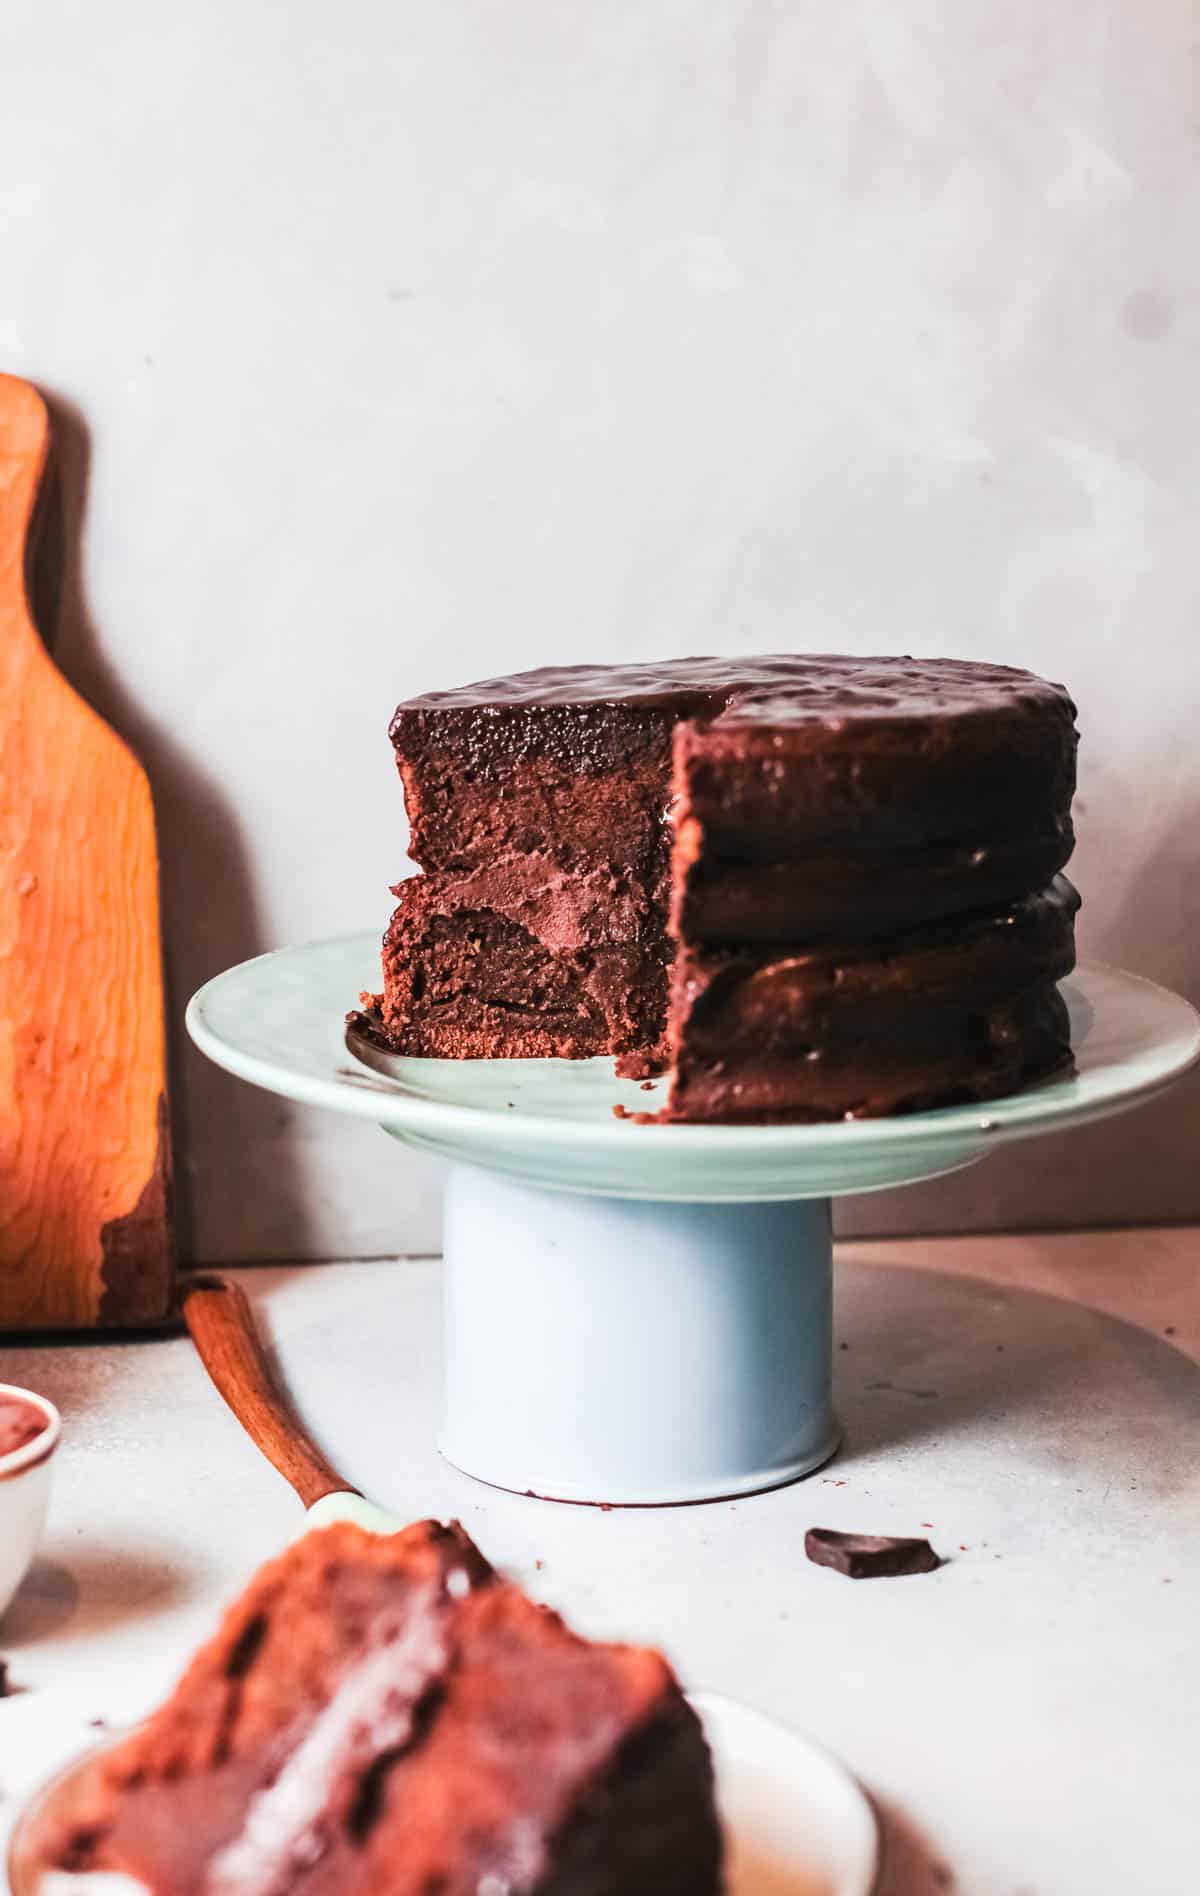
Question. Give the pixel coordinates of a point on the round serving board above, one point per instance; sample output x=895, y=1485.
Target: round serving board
x=279, y=1022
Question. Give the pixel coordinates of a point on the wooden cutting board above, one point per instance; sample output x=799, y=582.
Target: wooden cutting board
x=85, y=1221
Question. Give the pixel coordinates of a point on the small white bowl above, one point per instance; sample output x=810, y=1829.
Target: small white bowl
x=25, y=1493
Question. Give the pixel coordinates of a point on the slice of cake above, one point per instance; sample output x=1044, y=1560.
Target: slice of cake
x=611, y=854
x=382, y=1716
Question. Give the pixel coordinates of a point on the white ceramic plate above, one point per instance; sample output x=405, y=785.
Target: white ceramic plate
x=278, y=1022
x=796, y=1823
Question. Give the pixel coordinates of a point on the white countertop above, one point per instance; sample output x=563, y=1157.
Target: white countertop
x=1028, y=1718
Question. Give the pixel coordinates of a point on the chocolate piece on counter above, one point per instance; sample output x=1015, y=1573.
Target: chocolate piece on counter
x=4, y=1678
x=869, y=1556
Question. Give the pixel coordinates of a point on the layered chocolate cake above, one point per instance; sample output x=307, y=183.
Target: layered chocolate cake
x=812, y=887
x=381, y=1716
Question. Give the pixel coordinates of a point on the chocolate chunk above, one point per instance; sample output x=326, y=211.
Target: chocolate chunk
x=3, y=1678
x=869, y=1556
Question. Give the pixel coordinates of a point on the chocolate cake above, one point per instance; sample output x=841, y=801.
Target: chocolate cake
x=382, y=1716
x=813, y=887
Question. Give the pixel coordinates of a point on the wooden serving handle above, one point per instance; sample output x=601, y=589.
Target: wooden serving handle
x=86, y=1235
x=222, y=1327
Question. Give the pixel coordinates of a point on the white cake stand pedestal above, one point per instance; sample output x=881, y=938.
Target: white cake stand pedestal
x=641, y=1314
x=631, y=1350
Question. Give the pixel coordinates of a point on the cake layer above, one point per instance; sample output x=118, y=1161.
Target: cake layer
x=535, y=976
x=850, y=895
x=379, y=1716
x=967, y=1011
x=589, y=790
x=769, y=753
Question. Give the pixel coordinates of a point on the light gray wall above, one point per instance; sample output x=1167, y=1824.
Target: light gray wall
x=409, y=342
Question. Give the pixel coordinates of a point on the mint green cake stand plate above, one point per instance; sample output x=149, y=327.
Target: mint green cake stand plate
x=640, y=1314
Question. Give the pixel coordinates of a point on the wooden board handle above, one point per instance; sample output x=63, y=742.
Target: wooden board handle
x=219, y=1317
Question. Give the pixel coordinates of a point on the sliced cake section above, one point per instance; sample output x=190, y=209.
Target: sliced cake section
x=866, y=900
x=538, y=813
x=382, y=1716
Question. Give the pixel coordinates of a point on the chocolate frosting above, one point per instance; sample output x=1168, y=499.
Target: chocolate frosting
x=786, y=688
x=562, y=909
x=964, y=1011
x=848, y=895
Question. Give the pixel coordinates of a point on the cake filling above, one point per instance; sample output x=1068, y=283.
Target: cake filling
x=293, y=1821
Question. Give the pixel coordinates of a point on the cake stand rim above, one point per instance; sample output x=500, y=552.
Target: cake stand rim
x=364, y=1092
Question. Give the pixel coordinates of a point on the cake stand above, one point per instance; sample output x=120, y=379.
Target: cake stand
x=641, y=1314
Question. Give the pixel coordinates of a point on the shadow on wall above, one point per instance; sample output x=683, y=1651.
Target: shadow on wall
x=201, y=851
